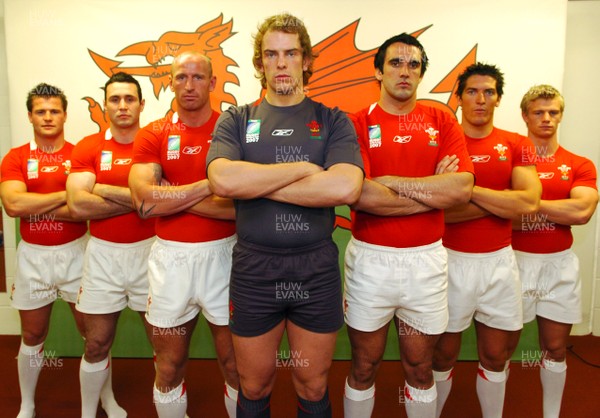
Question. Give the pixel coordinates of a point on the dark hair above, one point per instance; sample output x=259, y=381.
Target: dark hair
x=480, y=68
x=286, y=23
x=45, y=91
x=122, y=77
x=403, y=38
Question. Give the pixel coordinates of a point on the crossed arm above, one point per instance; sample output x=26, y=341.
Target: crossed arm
x=153, y=196
x=400, y=196
x=575, y=210
x=522, y=199
x=300, y=183
x=87, y=199
x=19, y=203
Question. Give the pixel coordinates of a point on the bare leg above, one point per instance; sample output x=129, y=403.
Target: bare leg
x=226, y=359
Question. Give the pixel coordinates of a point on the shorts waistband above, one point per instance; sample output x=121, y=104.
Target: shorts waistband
x=190, y=245
x=404, y=250
x=285, y=251
x=123, y=245
x=482, y=256
x=64, y=246
x=544, y=256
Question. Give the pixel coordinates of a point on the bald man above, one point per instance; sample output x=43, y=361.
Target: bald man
x=190, y=262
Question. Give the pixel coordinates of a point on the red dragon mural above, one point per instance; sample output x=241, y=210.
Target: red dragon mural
x=206, y=39
x=343, y=74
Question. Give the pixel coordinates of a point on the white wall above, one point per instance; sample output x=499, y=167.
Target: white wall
x=581, y=91
x=9, y=317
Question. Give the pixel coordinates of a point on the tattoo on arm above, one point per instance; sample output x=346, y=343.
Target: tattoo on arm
x=145, y=212
x=157, y=172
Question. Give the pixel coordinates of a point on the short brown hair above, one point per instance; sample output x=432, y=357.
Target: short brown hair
x=286, y=23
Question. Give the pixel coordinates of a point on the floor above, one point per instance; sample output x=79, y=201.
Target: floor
x=58, y=388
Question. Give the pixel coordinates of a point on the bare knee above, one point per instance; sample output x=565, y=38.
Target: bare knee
x=229, y=369
x=446, y=352
x=418, y=373
x=254, y=390
x=32, y=339
x=311, y=388
x=363, y=372
x=96, y=349
x=556, y=352
x=169, y=371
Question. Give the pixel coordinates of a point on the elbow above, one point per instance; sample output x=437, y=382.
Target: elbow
x=12, y=208
x=463, y=191
x=76, y=212
x=139, y=206
x=11, y=211
x=582, y=218
x=218, y=183
x=138, y=203
x=530, y=209
x=464, y=194
x=352, y=196
x=461, y=196
x=530, y=206
x=221, y=188
x=348, y=195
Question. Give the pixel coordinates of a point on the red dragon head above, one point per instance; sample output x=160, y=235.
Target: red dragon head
x=206, y=39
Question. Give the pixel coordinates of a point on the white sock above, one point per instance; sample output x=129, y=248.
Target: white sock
x=420, y=403
x=443, y=384
x=358, y=403
x=231, y=396
x=172, y=404
x=29, y=364
x=490, y=391
x=92, y=377
x=107, y=397
x=553, y=375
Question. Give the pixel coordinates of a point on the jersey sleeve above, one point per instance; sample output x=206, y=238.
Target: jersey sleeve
x=359, y=122
x=11, y=167
x=585, y=175
x=454, y=143
x=83, y=157
x=342, y=144
x=524, y=152
x=146, y=147
x=227, y=136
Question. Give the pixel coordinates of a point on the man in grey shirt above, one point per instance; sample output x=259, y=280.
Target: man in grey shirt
x=287, y=161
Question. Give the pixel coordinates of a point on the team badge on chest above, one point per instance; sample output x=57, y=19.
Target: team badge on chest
x=433, y=133
x=564, y=170
x=501, y=151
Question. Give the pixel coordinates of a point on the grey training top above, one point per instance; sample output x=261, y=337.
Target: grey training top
x=266, y=134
